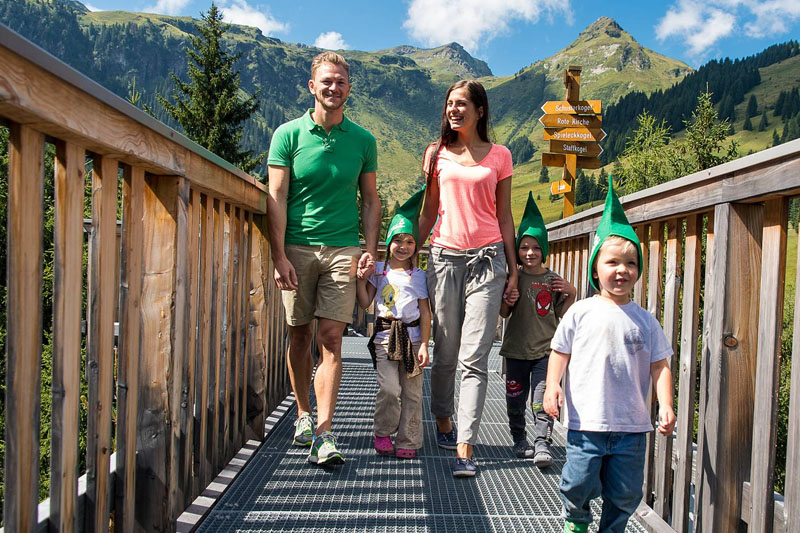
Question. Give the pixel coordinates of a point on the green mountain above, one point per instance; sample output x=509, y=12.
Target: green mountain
x=398, y=92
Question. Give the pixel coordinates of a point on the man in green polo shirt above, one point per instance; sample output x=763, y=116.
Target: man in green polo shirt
x=317, y=163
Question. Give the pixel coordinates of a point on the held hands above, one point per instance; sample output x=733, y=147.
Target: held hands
x=511, y=294
x=666, y=420
x=553, y=400
x=422, y=356
x=366, y=266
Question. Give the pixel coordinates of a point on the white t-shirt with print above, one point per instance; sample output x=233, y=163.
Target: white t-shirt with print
x=396, y=296
x=611, y=348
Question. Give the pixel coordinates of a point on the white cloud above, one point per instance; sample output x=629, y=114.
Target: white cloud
x=331, y=40
x=473, y=23
x=167, y=7
x=700, y=24
x=92, y=8
x=240, y=12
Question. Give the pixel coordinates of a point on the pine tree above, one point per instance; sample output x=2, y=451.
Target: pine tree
x=762, y=126
x=209, y=107
x=705, y=135
x=747, y=124
x=776, y=140
x=752, y=106
x=544, y=176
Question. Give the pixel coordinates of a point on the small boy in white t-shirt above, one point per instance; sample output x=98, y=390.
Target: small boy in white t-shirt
x=610, y=348
x=399, y=344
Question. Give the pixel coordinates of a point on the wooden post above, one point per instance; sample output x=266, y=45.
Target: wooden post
x=130, y=330
x=102, y=280
x=687, y=373
x=24, y=318
x=155, y=494
x=732, y=312
x=572, y=83
x=68, y=240
x=770, y=321
x=214, y=407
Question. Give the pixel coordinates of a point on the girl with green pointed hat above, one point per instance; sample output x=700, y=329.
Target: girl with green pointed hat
x=399, y=344
x=544, y=298
x=610, y=349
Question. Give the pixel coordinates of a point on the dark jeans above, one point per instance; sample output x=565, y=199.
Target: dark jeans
x=604, y=464
x=521, y=375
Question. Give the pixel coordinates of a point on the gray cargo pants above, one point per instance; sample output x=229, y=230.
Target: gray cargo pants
x=465, y=288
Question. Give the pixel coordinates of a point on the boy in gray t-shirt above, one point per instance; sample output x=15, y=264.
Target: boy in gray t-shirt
x=609, y=347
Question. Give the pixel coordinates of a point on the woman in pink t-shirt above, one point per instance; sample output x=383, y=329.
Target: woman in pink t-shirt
x=472, y=265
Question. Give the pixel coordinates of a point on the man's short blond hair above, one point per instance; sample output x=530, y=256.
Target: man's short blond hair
x=329, y=57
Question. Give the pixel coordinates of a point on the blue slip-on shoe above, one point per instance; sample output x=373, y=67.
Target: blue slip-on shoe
x=463, y=467
x=447, y=440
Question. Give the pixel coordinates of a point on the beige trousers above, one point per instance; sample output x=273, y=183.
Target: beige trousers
x=398, y=405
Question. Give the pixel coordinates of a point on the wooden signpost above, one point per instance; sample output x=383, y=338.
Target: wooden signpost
x=573, y=127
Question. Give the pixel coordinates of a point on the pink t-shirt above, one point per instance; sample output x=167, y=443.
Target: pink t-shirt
x=467, y=199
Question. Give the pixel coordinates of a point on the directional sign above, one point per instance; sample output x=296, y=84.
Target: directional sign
x=574, y=134
x=571, y=121
x=578, y=148
x=579, y=107
x=558, y=160
x=559, y=187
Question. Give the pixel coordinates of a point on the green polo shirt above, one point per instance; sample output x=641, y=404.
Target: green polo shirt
x=321, y=203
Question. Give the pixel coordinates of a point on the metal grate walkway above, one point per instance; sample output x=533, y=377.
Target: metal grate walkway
x=279, y=490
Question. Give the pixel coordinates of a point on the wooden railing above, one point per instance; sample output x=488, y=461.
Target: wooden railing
x=201, y=337
x=728, y=224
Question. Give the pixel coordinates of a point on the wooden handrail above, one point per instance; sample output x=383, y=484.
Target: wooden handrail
x=200, y=357
x=738, y=214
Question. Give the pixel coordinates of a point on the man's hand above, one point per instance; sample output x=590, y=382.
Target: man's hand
x=366, y=265
x=666, y=420
x=285, y=275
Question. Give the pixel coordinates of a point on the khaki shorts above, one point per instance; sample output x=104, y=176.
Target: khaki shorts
x=326, y=283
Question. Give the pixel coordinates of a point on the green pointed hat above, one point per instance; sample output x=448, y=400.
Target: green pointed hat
x=533, y=224
x=614, y=222
x=406, y=220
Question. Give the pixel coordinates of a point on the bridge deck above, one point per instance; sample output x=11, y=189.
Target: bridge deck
x=279, y=490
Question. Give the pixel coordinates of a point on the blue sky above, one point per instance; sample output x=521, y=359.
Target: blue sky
x=507, y=34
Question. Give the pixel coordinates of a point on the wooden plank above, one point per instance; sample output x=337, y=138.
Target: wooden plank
x=792, y=483
x=655, y=272
x=188, y=479
x=32, y=95
x=177, y=385
x=100, y=344
x=687, y=373
x=259, y=324
x=586, y=289
x=770, y=322
x=217, y=318
x=559, y=160
x=202, y=459
x=244, y=296
x=130, y=330
x=639, y=287
x=779, y=521
x=70, y=163
x=704, y=366
x=24, y=321
x=154, y=444
x=226, y=356
x=235, y=353
x=663, y=459
x=732, y=308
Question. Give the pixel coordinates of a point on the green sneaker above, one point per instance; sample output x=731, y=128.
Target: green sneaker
x=575, y=527
x=304, y=430
x=324, y=452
